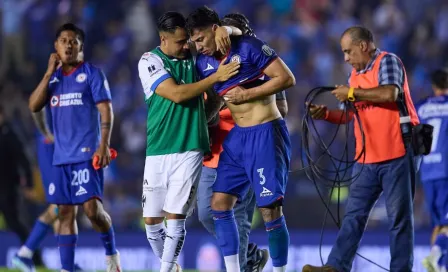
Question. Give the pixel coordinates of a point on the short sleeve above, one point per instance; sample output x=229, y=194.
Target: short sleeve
x=259, y=53
x=99, y=86
x=151, y=72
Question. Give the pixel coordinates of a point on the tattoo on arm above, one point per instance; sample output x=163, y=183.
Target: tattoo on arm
x=105, y=125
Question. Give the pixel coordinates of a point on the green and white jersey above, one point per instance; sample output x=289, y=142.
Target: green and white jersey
x=172, y=128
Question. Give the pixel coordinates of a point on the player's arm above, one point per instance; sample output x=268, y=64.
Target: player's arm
x=107, y=120
x=390, y=79
x=155, y=79
x=40, y=121
x=39, y=97
x=282, y=104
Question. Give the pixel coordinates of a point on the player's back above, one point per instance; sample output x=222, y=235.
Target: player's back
x=76, y=119
x=254, y=56
x=434, y=111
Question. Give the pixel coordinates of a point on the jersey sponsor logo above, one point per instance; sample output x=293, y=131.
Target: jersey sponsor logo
x=236, y=58
x=152, y=69
x=267, y=50
x=365, y=106
x=64, y=100
x=81, y=78
x=432, y=110
x=81, y=191
x=266, y=192
x=209, y=67
x=51, y=189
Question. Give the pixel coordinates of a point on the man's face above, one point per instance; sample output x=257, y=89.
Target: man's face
x=204, y=39
x=176, y=44
x=354, y=52
x=68, y=46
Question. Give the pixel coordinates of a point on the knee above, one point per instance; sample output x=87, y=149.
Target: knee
x=93, y=210
x=153, y=220
x=66, y=213
x=50, y=215
x=222, y=202
x=271, y=213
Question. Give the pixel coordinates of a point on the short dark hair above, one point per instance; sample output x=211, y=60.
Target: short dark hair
x=240, y=21
x=359, y=33
x=439, y=78
x=202, y=18
x=169, y=21
x=71, y=27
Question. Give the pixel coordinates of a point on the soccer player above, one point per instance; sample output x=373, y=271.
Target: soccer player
x=434, y=171
x=45, y=148
x=177, y=136
x=256, y=152
x=79, y=97
x=251, y=257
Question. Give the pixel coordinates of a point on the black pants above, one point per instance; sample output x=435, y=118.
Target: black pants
x=10, y=208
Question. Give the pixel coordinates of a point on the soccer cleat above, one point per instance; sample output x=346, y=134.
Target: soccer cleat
x=430, y=263
x=325, y=268
x=23, y=264
x=113, y=263
x=177, y=268
x=258, y=262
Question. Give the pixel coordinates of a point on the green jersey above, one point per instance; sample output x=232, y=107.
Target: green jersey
x=172, y=128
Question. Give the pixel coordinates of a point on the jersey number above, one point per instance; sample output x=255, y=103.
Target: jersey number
x=80, y=177
x=262, y=177
x=436, y=123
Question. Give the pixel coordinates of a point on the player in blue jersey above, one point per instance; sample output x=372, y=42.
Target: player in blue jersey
x=434, y=169
x=256, y=152
x=79, y=97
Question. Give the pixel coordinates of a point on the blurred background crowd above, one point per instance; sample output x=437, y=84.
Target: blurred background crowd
x=305, y=33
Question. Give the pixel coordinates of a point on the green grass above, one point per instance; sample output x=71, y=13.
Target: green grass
x=4, y=269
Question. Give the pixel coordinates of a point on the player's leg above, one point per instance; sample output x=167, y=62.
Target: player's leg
x=439, y=248
x=231, y=183
x=205, y=191
x=153, y=198
x=68, y=236
x=398, y=181
x=184, y=174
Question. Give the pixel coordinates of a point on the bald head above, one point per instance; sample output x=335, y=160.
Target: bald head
x=358, y=34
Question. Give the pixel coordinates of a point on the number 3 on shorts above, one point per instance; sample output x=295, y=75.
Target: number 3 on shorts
x=80, y=177
x=262, y=177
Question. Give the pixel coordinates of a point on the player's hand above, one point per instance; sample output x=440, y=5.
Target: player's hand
x=226, y=71
x=222, y=40
x=103, y=154
x=318, y=112
x=49, y=138
x=53, y=63
x=341, y=92
x=236, y=95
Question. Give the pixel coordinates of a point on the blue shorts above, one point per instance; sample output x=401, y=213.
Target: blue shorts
x=77, y=183
x=48, y=172
x=255, y=156
x=436, y=195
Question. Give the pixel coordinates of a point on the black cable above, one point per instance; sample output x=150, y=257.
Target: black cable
x=336, y=177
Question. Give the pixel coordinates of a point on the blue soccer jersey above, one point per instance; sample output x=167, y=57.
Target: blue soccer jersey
x=76, y=120
x=434, y=111
x=254, y=56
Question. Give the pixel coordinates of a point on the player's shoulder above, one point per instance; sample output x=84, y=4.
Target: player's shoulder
x=250, y=43
x=391, y=59
x=90, y=68
x=149, y=58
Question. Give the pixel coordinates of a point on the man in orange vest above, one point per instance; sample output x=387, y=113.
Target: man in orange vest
x=377, y=84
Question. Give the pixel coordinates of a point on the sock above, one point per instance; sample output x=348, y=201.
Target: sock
x=278, y=242
x=228, y=238
x=34, y=240
x=156, y=235
x=67, y=245
x=108, y=239
x=175, y=236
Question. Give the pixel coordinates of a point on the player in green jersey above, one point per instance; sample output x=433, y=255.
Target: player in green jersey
x=177, y=135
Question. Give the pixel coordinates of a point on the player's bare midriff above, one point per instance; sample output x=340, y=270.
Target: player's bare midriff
x=255, y=112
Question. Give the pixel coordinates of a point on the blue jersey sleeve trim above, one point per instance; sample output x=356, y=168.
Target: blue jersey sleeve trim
x=158, y=81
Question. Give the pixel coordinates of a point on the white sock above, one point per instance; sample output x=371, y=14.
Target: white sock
x=156, y=235
x=25, y=252
x=175, y=236
x=232, y=263
x=280, y=269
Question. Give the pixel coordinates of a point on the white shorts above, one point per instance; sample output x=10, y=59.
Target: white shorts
x=170, y=183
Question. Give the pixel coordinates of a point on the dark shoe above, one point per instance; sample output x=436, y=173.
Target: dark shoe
x=310, y=268
x=257, y=265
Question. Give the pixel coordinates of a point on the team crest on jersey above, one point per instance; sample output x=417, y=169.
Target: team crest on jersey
x=81, y=78
x=51, y=189
x=236, y=58
x=54, y=101
x=267, y=50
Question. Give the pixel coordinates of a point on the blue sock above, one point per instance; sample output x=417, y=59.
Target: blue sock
x=108, y=239
x=37, y=235
x=441, y=241
x=278, y=241
x=226, y=232
x=67, y=245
